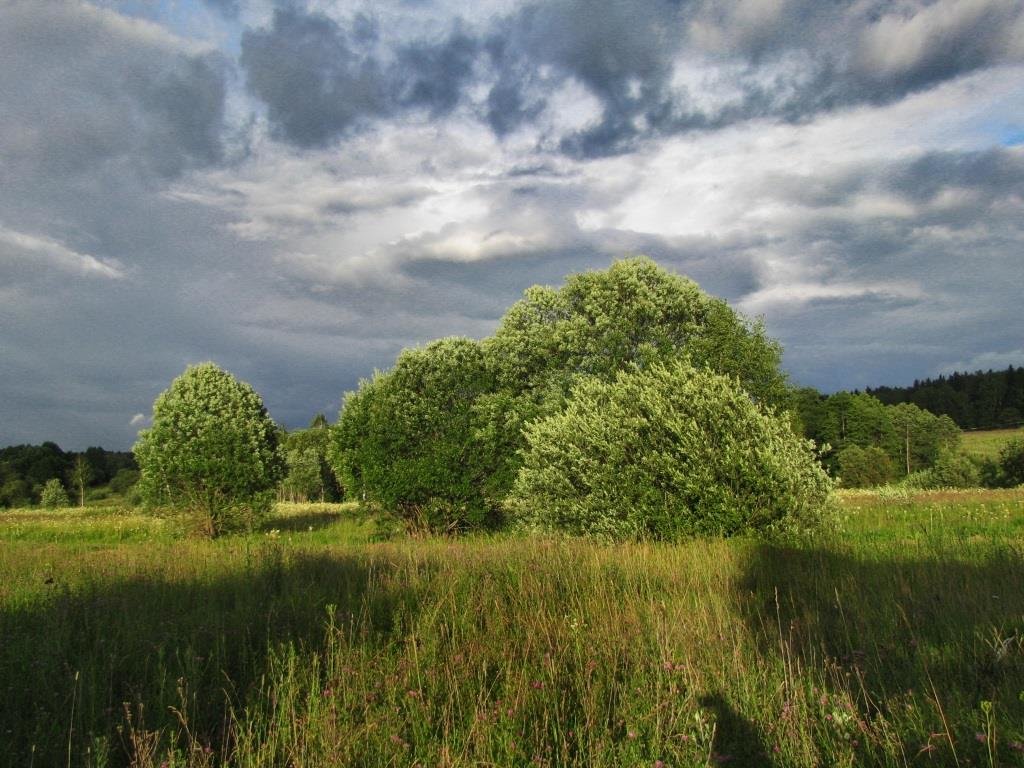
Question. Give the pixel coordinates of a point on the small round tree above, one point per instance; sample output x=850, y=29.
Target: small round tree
x=665, y=452
x=54, y=495
x=212, y=450
x=405, y=439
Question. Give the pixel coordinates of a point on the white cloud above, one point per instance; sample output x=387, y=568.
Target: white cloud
x=45, y=251
x=791, y=297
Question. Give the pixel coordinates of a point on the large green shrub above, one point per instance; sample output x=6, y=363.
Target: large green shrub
x=53, y=495
x=405, y=439
x=438, y=438
x=664, y=452
x=124, y=481
x=212, y=450
x=955, y=469
x=864, y=467
x=632, y=314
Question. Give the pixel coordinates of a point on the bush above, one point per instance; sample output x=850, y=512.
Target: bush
x=954, y=469
x=124, y=481
x=212, y=450
x=864, y=467
x=666, y=452
x=438, y=440
x=406, y=439
x=53, y=495
x=1011, y=462
x=632, y=314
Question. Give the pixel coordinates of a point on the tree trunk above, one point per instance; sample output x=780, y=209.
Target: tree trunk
x=908, y=446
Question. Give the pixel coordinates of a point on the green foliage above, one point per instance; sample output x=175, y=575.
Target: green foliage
x=665, y=452
x=15, y=492
x=952, y=469
x=438, y=439
x=309, y=476
x=630, y=315
x=212, y=450
x=405, y=439
x=856, y=419
x=27, y=467
x=921, y=436
x=1011, y=462
x=54, y=495
x=124, y=480
x=912, y=438
x=864, y=467
x=979, y=400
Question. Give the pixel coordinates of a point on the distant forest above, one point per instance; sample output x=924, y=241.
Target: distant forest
x=979, y=400
x=25, y=468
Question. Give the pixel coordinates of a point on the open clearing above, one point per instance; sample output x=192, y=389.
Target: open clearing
x=988, y=442
x=896, y=640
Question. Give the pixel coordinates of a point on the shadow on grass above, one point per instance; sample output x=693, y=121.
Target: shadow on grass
x=941, y=628
x=86, y=656
x=309, y=521
x=737, y=740
x=212, y=616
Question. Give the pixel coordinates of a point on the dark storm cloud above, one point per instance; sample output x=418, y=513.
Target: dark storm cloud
x=929, y=284
x=99, y=112
x=996, y=174
x=433, y=75
x=81, y=87
x=317, y=84
x=622, y=53
x=321, y=80
x=787, y=61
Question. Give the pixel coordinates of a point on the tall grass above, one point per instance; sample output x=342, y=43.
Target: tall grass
x=321, y=647
x=987, y=443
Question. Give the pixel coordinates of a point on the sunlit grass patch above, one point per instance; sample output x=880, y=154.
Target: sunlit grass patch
x=987, y=443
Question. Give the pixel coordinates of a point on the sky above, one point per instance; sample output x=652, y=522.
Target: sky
x=298, y=189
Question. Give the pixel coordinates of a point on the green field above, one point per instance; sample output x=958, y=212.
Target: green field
x=320, y=641
x=987, y=442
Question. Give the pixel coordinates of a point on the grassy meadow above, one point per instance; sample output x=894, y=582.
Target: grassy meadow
x=325, y=639
x=987, y=443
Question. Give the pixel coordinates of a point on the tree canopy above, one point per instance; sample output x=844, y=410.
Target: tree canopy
x=439, y=437
x=405, y=439
x=212, y=449
x=663, y=452
x=910, y=437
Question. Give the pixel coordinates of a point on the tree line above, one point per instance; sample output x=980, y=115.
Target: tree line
x=26, y=469
x=865, y=442
x=626, y=403
x=980, y=400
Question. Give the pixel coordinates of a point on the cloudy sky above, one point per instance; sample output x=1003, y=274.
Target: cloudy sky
x=296, y=189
